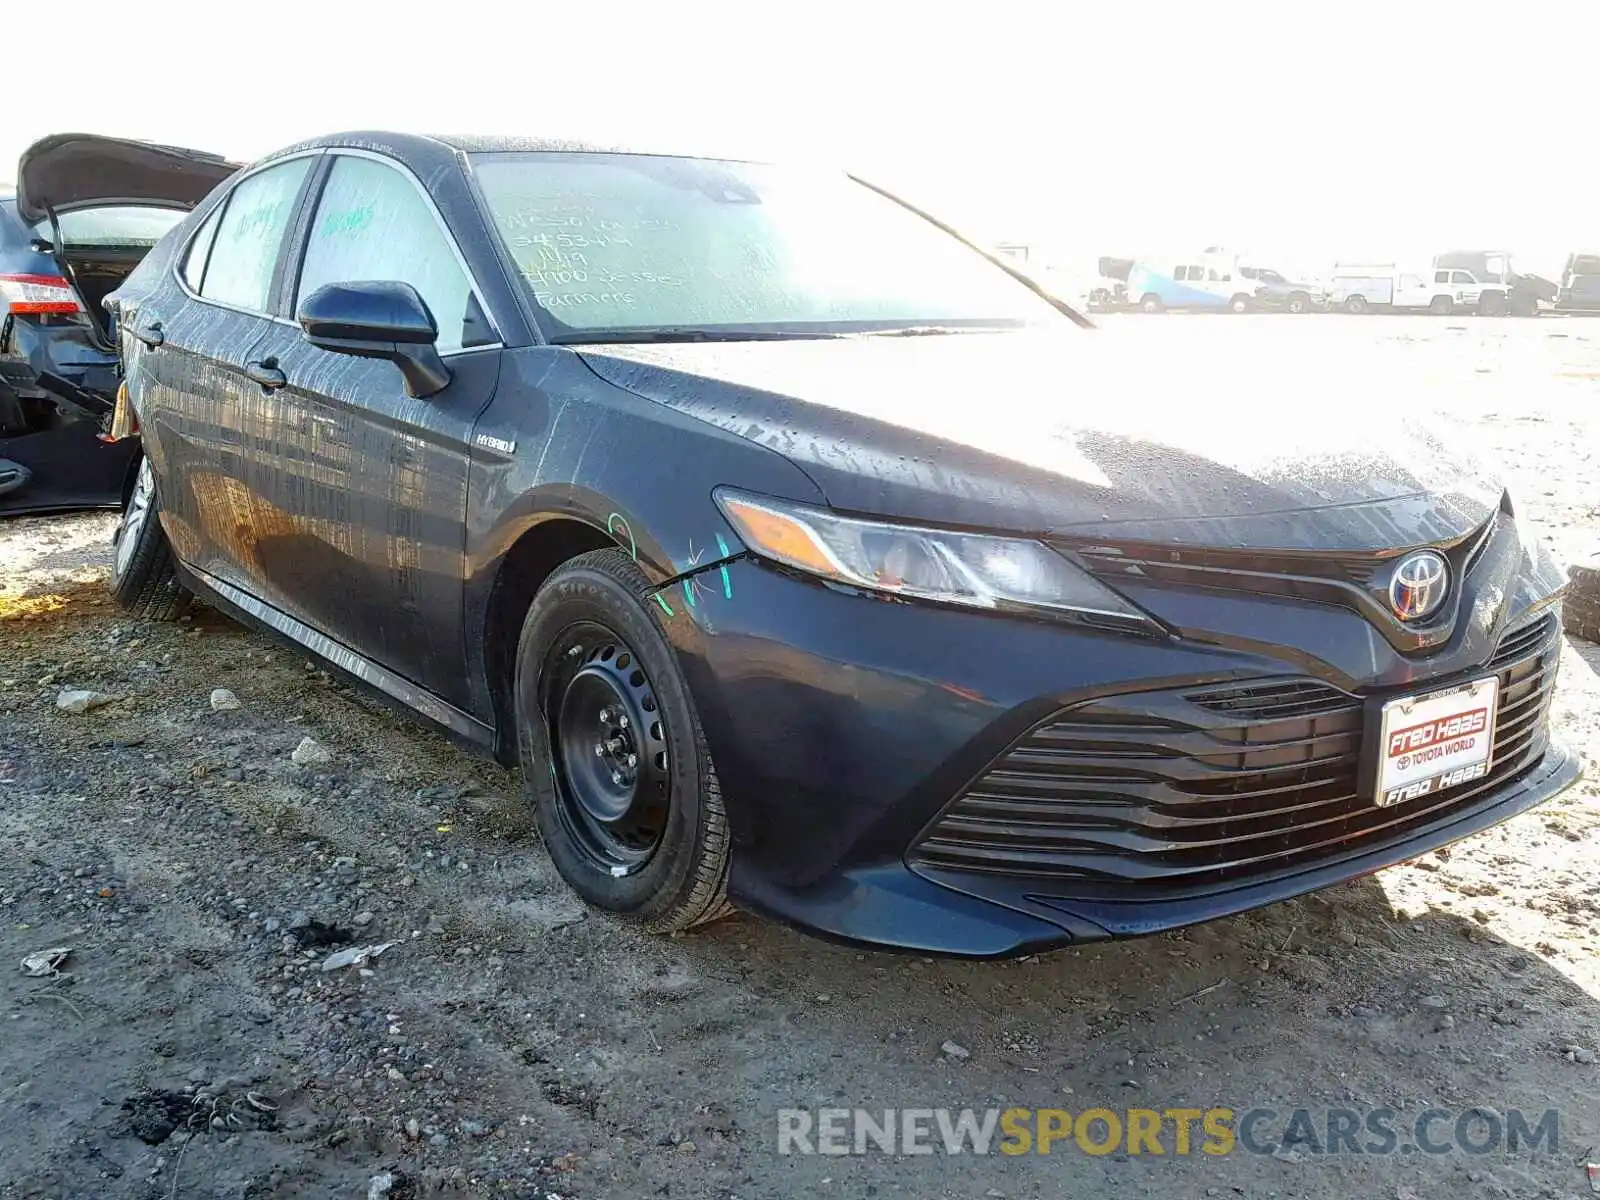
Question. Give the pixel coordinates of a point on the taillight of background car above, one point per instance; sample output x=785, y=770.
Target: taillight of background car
x=36, y=294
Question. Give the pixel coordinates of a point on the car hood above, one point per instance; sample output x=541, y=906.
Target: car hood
x=83, y=170
x=1082, y=436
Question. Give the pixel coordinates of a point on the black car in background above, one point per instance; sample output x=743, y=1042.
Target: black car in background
x=1276, y=293
x=86, y=211
x=802, y=555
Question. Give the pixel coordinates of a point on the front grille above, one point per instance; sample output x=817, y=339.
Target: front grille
x=1270, y=700
x=1314, y=575
x=1158, y=793
x=1232, y=568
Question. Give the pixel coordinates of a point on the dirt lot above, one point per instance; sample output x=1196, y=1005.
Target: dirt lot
x=508, y=1043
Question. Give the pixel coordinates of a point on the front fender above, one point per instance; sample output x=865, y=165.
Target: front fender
x=558, y=442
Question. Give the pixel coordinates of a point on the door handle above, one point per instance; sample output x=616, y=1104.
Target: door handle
x=151, y=335
x=267, y=374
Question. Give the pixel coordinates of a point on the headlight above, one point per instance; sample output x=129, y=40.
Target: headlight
x=973, y=569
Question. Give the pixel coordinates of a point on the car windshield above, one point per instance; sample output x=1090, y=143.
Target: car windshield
x=629, y=247
x=112, y=225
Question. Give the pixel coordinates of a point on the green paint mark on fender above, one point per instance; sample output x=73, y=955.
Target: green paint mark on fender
x=617, y=521
x=665, y=607
x=727, y=583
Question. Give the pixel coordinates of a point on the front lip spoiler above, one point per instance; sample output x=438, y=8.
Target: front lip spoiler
x=890, y=906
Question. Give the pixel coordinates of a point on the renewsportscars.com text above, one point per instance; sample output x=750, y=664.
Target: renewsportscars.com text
x=1168, y=1131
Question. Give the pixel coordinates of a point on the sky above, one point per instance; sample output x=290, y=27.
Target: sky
x=1357, y=130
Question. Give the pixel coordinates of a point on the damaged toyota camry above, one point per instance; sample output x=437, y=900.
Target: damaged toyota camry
x=806, y=558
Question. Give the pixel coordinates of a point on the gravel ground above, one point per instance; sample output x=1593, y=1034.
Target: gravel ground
x=509, y=1043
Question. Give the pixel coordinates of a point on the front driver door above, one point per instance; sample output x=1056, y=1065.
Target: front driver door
x=375, y=481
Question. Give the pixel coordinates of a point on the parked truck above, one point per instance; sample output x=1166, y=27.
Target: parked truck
x=1502, y=288
x=1359, y=288
x=1580, y=284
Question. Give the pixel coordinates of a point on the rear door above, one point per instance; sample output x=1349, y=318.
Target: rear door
x=213, y=424
x=371, y=484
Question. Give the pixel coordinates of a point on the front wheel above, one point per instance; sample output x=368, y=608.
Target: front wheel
x=1239, y=304
x=1150, y=304
x=1299, y=302
x=1441, y=306
x=143, y=578
x=1355, y=305
x=613, y=758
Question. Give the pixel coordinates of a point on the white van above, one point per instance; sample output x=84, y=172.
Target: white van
x=1204, y=281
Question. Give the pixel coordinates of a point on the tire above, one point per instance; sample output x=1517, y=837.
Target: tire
x=1355, y=305
x=1239, y=304
x=593, y=669
x=1441, y=306
x=1580, y=616
x=1151, y=303
x=143, y=579
x=1299, y=302
x=1493, y=304
x=1585, y=581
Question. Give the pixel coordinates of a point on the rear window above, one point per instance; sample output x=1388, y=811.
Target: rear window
x=113, y=225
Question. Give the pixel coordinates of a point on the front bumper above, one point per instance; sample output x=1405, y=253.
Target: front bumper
x=844, y=726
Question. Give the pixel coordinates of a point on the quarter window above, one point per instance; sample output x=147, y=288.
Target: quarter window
x=194, y=263
x=373, y=224
x=245, y=250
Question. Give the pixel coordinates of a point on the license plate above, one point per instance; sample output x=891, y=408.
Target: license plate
x=1435, y=741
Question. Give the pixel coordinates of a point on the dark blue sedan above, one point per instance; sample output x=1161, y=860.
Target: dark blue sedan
x=804, y=557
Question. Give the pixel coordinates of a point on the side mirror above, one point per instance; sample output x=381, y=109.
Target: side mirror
x=384, y=319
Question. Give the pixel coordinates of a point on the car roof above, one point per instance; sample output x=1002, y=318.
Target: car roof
x=469, y=143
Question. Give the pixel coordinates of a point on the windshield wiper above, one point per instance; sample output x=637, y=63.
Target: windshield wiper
x=684, y=334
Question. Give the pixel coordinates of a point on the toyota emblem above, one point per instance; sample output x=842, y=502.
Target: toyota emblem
x=1419, y=585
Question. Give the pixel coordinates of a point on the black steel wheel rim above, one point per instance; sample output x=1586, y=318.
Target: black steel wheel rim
x=608, y=748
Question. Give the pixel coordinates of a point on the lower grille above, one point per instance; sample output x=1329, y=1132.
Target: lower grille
x=1132, y=796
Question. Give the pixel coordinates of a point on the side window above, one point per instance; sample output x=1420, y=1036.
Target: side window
x=1441, y=276
x=373, y=224
x=1461, y=277
x=245, y=249
x=1182, y=273
x=194, y=263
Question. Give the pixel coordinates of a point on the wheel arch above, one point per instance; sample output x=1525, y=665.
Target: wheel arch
x=543, y=530
x=131, y=476
x=531, y=559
